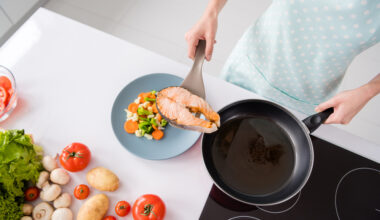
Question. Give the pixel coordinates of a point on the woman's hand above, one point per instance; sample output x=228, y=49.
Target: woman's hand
x=204, y=29
x=346, y=105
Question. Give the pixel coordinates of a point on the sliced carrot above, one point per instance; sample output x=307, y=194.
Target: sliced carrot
x=157, y=134
x=159, y=117
x=141, y=95
x=154, y=108
x=133, y=107
x=152, y=96
x=154, y=127
x=131, y=126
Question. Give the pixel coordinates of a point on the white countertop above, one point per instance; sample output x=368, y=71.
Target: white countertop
x=68, y=76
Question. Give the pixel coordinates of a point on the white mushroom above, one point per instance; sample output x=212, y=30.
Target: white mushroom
x=42, y=211
x=50, y=192
x=44, y=176
x=49, y=163
x=59, y=176
x=62, y=214
x=63, y=201
x=26, y=218
x=27, y=209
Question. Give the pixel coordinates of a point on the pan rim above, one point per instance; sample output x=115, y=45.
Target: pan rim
x=307, y=135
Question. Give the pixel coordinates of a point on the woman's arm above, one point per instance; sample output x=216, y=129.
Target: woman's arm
x=348, y=103
x=205, y=29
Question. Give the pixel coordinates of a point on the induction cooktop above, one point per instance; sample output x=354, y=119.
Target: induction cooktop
x=343, y=186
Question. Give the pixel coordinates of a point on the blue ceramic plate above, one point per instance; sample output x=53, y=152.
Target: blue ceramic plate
x=175, y=142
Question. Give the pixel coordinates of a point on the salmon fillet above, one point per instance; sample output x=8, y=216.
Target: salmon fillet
x=178, y=104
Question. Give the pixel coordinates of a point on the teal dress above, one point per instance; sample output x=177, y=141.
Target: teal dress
x=298, y=51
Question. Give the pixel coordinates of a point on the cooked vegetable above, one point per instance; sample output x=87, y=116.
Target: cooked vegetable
x=44, y=177
x=62, y=214
x=27, y=209
x=158, y=134
x=149, y=99
x=94, y=208
x=20, y=162
x=122, y=208
x=148, y=207
x=50, y=163
x=164, y=122
x=131, y=126
x=110, y=217
x=81, y=192
x=31, y=193
x=133, y=107
x=145, y=120
x=50, y=192
x=42, y=211
x=103, y=179
x=63, y=201
x=142, y=111
x=59, y=176
x=75, y=157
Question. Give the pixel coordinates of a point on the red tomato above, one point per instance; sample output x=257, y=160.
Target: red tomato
x=122, y=208
x=2, y=106
x=148, y=207
x=31, y=193
x=110, y=217
x=3, y=95
x=75, y=157
x=81, y=191
x=5, y=83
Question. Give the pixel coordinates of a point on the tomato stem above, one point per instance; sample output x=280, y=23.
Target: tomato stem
x=73, y=154
x=148, y=208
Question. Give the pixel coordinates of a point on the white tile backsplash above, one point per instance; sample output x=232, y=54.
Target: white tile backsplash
x=16, y=9
x=5, y=24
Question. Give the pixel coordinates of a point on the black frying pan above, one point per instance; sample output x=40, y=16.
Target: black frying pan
x=243, y=151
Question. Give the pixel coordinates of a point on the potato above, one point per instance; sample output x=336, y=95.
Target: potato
x=102, y=179
x=94, y=208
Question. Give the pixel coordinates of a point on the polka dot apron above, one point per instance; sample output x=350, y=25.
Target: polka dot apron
x=298, y=51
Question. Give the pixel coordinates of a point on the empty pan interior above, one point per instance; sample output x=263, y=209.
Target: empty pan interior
x=235, y=173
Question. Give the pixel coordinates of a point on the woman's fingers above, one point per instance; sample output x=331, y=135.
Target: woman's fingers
x=328, y=104
x=192, y=44
x=210, y=40
x=334, y=117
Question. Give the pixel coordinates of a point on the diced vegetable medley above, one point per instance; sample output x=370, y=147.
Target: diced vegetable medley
x=143, y=118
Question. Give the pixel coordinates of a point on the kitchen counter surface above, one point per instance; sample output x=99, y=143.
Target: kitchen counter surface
x=68, y=76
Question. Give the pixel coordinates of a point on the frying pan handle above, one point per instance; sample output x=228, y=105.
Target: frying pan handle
x=314, y=121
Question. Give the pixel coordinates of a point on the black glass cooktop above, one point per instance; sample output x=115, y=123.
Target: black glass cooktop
x=343, y=186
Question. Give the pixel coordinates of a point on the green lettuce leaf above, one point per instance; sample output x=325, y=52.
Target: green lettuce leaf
x=20, y=163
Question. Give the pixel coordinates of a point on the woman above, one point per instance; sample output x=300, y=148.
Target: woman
x=298, y=51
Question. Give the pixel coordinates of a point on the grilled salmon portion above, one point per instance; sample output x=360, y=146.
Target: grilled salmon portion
x=178, y=105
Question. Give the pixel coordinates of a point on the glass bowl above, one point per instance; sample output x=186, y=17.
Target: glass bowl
x=12, y=99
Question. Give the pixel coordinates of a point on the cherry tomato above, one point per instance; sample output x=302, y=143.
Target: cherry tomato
x=31, y=193
x=110, y=217
x=122, y=208
x=2, y=106
x=3, y=95
x=75, y=157
x=148, y=207
x=5, y=83
x=81, y=191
